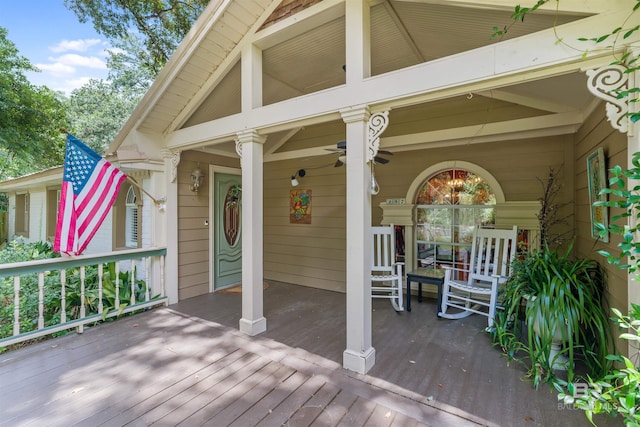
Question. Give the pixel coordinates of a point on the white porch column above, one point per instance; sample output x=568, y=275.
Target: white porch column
x=250, y=147
x=171, y=224
x=358, y=37
x=251, y=74
x=359, y=355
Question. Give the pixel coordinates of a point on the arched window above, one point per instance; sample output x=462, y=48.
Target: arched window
x=450, y=204
x=131, y=220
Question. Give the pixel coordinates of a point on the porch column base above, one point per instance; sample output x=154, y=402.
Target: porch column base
x=253, y=327
x=359, y=362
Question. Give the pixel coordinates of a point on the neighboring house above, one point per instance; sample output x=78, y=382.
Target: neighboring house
x=33, y=211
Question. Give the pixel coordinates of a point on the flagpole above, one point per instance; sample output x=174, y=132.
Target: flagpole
x=133, y=181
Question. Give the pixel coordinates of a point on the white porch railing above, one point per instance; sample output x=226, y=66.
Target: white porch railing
x=72, y=292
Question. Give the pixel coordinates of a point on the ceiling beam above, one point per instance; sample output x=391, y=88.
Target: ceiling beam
x=528, y=58
x=524, y=100
x=554, y=124
x=272, y=146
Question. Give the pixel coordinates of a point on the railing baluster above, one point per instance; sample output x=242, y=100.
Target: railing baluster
x=133, y=282
x=82, y=307
x=63, y=296
x=162, y=289
x=41, y=300
x=147, y=267
x=16, y=305
x=41, y=268
x=100, y=305
x=117, y=307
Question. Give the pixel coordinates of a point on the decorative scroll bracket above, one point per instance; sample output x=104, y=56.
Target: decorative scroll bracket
x=603, y=82
x=378, y=122
x=174, y=160
x=239, y=147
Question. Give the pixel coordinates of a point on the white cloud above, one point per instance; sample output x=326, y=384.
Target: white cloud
x=67, y=65
x=82, y=45
x=75, y=60
x=57, y=69
x=78, y=62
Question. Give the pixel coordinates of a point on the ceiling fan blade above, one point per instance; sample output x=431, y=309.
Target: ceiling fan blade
x=338, y=163
x=381, y=160
x=342, y=145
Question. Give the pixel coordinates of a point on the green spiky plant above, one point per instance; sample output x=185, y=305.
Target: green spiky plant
x=550, y=292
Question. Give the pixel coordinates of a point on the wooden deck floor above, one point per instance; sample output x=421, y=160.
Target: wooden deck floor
x=188, y=365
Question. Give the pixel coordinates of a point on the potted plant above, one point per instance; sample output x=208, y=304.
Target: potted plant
x=557, y=302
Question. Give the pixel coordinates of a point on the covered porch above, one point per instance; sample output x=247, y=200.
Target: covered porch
x=253, y=95
x=188, y=364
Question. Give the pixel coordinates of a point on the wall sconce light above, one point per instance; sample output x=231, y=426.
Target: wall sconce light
x=196, y=179
x=300, y=173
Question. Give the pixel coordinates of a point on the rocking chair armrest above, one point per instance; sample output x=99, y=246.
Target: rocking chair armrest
x=448, y=272
x=398, y=266
x=500, y=278
x=464, y=270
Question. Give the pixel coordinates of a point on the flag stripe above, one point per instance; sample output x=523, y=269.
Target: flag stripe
x=98, y=193
x=89, y=228
x=66, y=218
x=89, y=188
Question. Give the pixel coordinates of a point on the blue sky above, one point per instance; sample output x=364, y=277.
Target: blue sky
x=67, y=52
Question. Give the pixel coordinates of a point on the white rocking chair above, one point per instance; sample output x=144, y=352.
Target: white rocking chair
x=386, y=272
x=475, y=290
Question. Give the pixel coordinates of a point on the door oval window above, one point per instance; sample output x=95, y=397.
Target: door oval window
x=231, y=216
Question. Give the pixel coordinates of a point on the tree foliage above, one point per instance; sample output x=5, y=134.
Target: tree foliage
x=97, y=111
x=161, y=25
x=30, y=116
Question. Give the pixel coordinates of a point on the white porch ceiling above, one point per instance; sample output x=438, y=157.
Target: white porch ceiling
x=404, y=33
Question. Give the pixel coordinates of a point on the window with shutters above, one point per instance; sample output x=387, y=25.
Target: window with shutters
x=53, y=203
x=22, y=215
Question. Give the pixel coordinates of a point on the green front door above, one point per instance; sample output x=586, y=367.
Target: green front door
x=227, y=250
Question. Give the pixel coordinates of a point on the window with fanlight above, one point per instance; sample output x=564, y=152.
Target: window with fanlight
x=449, y=205
x=131, y=224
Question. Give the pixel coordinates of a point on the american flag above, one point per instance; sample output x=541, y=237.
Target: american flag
x=89, y=187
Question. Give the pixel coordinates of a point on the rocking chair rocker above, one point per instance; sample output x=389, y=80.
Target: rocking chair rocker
x=475, y=290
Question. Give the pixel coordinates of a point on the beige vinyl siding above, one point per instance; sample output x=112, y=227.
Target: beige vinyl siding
x=597, y=132
x=193, y=234
x=314, y=254
x=517, y=166
x=306, y=254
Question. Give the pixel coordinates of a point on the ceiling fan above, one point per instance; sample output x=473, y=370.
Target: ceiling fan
x=342, y=149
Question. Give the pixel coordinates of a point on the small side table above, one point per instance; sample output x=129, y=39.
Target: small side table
x=430, y=276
